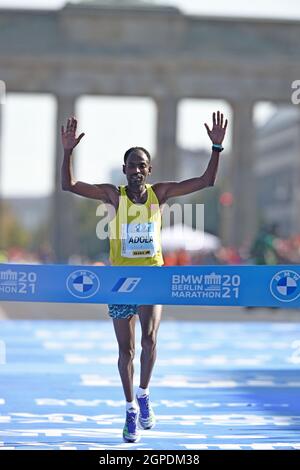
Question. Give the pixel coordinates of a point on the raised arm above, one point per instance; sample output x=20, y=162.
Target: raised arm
x=166, y=190
x=103, y=192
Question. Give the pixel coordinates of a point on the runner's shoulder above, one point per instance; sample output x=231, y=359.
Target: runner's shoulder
x=108, y=193
x=159, y=189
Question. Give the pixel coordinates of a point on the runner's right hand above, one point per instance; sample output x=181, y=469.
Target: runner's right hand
x=68, y=136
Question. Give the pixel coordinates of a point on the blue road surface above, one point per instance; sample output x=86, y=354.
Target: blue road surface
x=215, y=386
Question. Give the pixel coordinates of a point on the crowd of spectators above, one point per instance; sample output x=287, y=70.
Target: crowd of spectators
x=267, y=249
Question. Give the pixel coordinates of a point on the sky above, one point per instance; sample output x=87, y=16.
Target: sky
x=266, y=8
x=28, y=121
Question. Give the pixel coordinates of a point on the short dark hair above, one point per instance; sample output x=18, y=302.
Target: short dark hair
x=132, y=149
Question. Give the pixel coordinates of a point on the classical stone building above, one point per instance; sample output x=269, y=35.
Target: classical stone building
x=156, y=52
x=277, y=171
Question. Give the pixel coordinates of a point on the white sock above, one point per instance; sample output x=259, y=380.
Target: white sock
x=130, y=405
x=142, y=391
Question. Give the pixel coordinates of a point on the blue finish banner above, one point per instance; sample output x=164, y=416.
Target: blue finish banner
x=260, y=286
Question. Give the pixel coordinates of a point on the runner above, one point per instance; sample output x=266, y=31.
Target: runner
x=135, y=241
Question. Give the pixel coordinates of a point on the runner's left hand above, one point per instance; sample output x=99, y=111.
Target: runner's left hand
x=217, y=133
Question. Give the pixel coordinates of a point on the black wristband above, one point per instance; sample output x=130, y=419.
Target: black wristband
x=217, y=147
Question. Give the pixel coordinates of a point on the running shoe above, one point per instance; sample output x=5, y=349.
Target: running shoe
x=130, y=430
x=146, y=416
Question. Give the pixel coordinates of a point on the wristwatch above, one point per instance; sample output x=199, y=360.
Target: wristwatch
x=217, y=147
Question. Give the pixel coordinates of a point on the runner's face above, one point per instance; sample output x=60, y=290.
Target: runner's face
x=137, y=168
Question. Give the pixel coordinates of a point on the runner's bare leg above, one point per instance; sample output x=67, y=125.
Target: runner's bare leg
x=125, y=333
x=150, y=316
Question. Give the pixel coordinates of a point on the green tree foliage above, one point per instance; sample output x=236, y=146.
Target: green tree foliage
x=210, y=198
x=89, y=244
x=12, y=233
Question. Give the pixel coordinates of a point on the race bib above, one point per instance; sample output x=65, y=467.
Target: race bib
x=138, y=240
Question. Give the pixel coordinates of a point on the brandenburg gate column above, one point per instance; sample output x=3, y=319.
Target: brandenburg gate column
x=166, y=148
x=2, y=241
x=63, y=216
x=239, y=221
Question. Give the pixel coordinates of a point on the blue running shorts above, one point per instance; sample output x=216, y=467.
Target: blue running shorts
x=122, y=310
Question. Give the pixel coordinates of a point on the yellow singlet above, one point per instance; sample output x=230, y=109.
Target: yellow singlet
x=134, y=232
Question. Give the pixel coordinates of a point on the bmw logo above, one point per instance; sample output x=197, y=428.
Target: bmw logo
x=83, y=284
x=285, y=286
